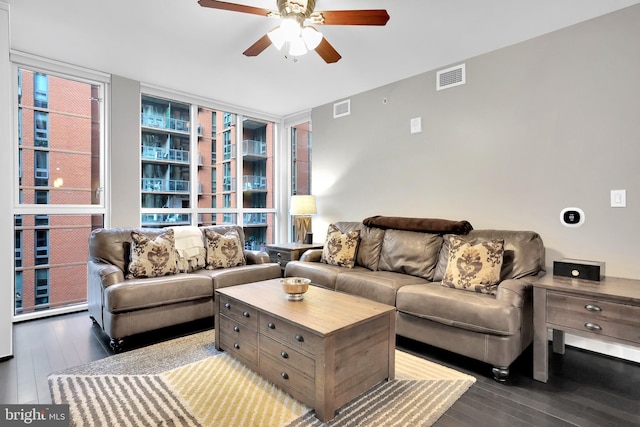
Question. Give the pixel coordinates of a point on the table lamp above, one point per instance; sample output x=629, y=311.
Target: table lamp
x=302, y=207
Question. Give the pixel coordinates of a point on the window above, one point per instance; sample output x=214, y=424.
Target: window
x=301, y=159
x=222, y=173
x=40, y=90
x=41, y=129
x=60, y=136
x=41, y=247
x=41, y=290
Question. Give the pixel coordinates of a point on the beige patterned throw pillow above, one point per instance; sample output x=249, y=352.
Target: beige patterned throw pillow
x=152, y=257
x=223, y=250
x=474, y=266
x=340, y=248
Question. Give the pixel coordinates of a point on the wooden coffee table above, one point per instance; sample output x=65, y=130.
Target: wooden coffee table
x=324, y=350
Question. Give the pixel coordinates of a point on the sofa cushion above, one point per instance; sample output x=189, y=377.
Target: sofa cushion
x=523, y=252
x=474, y=266
x=467, y=310
x=223, y=250
x=378, y=286
x=152, y=257
x=340, y=248
x=368, y=253
x=223, y=277
x=136, y=294
x=410, y=252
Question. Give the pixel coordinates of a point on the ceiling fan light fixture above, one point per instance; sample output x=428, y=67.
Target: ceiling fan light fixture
x=297, y=47
x=277, y=37
x=311, y=37
x=290, y=28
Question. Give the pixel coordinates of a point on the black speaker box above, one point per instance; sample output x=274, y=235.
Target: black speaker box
x=579, y=269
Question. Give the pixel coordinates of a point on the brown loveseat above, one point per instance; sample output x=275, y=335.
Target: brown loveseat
x=126, y=306
x=406, y=268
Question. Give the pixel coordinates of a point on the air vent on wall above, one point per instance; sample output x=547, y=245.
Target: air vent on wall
x=450, y=77
x=342, y=108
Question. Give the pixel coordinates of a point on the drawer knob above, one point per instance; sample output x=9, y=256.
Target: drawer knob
x=284, y=355
x=236, y=346
x=299, y=338
x=593, y=326
x=270, y=325
x=245, y=314
x=591, y=307
x=236, y=329
x=227, y=306
x=284, y=375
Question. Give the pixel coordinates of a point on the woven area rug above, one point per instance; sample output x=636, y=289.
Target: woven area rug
x=186, y=382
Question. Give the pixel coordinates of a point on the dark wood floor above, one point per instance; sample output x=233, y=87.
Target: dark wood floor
x=584, y=388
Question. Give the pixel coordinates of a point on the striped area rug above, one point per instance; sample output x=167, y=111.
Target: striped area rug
x=217, y=390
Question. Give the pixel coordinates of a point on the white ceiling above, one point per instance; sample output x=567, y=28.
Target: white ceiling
x=179, y=45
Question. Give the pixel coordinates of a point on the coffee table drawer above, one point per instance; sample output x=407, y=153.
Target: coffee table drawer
x=288, y=357
x=289, y=334
x=243, y=348
x=289, y=379
x=239, y=311
x=606, y=318
x=238, y=331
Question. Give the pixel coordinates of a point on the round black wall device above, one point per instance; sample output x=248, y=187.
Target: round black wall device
x=572, y=217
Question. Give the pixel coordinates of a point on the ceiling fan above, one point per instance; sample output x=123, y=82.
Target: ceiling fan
x=293, y=33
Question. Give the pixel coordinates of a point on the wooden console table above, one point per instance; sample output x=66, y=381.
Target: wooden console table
x=608, y=310
x=282, y=253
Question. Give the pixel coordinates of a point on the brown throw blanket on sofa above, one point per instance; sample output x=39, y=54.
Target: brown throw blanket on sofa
x=425, y=225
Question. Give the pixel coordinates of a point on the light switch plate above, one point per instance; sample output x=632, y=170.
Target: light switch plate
x=416, y=125
x=618, y=198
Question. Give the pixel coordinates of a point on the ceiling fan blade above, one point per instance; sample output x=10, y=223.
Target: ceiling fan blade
x=214, y=4
x=327, y=52
x=259, y=46
x=351, y=17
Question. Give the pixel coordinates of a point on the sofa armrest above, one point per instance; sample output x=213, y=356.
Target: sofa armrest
x=516, y=292
x=312, y=255
x=256, y=257
x=102, y=275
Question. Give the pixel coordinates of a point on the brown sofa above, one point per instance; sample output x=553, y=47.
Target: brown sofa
x=405, y=269
x=124, y=307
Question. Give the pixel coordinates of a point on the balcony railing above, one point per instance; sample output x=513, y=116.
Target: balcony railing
x=162, y=122
x=254, y=148
x=254, y=182
x=171, y=155
x=165, y=185
x=255, y=219
x=151, y=220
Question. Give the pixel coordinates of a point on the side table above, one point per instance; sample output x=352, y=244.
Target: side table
x=282, y=253
x=608, y=310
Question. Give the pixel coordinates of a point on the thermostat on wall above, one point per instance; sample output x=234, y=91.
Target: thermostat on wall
x=572, y=217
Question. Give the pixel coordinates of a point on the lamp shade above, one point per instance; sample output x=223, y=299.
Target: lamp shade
x=303, y=205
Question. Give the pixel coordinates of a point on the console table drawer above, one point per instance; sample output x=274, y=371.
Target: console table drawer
x=289, y=379
x=289, y=334
x=288, y=357
x=238, y=311
x=277, y=255
x=605, y=318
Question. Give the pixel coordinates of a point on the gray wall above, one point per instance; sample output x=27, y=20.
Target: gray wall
x=549, y=123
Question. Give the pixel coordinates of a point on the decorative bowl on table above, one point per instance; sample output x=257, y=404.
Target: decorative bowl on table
x=295, y=287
